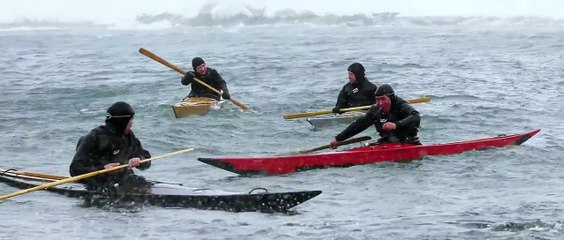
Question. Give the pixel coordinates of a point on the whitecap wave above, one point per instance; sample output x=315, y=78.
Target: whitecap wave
x=165, y=14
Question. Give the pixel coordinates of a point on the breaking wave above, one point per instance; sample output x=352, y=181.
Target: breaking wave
x=216, y=14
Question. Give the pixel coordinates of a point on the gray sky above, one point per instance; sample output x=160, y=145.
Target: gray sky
x=114, y=11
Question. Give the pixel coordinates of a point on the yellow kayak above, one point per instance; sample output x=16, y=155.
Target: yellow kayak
x=195, y=106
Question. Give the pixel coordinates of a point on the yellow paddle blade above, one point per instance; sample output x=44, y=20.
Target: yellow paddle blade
x=86, y=175
x=419, y=100
x=322, y=112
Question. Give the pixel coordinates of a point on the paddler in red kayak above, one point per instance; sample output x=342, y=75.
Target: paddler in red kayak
x=108, y=146
x=394, y=118
x=357, y=92
x=207, y=75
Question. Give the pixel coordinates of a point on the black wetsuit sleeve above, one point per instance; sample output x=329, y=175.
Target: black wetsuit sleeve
x=220, y=82
x=358, y=125
x=144, y=154
x=370, y=94
x=413, y=118
x=342, y=101
x=82, y=161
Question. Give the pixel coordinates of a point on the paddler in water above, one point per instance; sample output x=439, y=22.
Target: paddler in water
x=394, y=118
x=207, y=75
x=357, y=92
x=108, y=146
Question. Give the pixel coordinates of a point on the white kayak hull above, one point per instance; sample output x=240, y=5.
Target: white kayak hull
x=345, y=118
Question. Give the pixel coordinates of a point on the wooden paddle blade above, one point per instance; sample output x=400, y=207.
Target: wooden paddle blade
x=419, y=100
x=322, y=112
x=308, y=114
x=32, y=174
x=341, y=143
x=86, y=175
x=239, y=104
x=161, y=60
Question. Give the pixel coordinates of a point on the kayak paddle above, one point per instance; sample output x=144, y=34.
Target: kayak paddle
x=322, y=112
x=341, y=143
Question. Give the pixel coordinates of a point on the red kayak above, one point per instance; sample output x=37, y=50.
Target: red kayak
x=392, y=152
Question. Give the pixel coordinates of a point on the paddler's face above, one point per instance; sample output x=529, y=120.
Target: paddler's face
x=127, y=129
x=201, y=69
x=352, y=77
x=384, y=102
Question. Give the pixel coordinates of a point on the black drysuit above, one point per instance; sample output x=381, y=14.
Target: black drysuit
x=360, y=93
x=405, y=117
x=212, y=78
x=103, y=145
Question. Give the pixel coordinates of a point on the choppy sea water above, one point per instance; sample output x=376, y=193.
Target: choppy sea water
x=483, y=80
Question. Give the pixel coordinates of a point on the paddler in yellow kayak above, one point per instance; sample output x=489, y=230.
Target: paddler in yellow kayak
x=394, y=118
x=207, y=75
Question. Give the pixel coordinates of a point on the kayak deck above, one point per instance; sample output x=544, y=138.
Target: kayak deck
x=179, y=196
x=195, y=106
x=393, y=152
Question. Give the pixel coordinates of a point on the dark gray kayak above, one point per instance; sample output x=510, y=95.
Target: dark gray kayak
x=178, y=196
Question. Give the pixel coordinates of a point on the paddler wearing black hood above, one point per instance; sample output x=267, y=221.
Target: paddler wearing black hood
x=394, y=118
x=357, y=92
x=108, y=146
x=207, y=75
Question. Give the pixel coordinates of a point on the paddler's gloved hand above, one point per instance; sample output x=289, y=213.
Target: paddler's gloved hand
x=337, y=110
x=225, y=95
x=190, y=74
x=187, y=79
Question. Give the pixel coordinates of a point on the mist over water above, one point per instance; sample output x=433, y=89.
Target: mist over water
x=129, y=14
